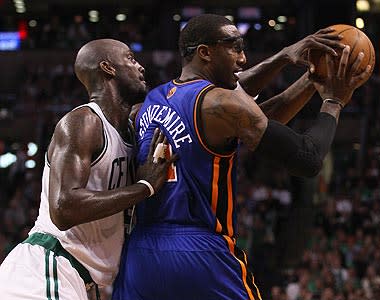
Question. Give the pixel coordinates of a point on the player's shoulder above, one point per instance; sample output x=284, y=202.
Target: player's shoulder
x=80, y=119
x=222, y=97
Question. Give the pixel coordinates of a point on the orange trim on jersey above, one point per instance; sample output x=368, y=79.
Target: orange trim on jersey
x=253, y=277
x=245, y=257
x=186, y=82
x=215, y=172
x=230, y=229
x=196, y=126
x=231, y=246
x=219, y=227
x=257, y=289
x=215, y=192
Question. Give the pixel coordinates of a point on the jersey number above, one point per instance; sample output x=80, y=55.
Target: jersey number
x=172, y=170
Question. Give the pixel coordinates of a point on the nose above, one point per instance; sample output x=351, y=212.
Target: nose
x=242, y=59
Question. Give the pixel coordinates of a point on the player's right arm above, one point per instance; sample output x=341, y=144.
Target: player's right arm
x=254, y=79
x=77, y=140
x=228, y=115
x=284, y=106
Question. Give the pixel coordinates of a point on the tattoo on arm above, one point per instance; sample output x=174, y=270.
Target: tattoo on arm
x=238, y=118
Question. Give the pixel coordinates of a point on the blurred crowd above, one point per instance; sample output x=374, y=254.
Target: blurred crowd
x=339, y=258
x=139, y=28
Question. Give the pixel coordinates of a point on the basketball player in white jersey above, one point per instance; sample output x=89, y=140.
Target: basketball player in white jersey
x=88, y=181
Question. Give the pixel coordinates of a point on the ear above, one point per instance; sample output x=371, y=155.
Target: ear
x=106, y=67
x=204, y=52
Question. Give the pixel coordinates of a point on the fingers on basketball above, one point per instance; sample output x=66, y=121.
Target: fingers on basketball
x=358, y=42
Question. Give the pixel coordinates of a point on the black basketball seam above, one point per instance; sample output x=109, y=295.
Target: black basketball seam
x=351, y=28
x=319, y=59
x=368, y=44
x=345, y=30
x=356, y=41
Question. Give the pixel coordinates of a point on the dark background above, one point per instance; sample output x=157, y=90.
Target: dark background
x=306, y=238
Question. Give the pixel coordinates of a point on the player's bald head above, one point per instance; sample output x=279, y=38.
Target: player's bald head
x=93, y=53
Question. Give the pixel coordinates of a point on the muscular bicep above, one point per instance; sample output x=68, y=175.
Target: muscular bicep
x=232, y=114
x=76, y=138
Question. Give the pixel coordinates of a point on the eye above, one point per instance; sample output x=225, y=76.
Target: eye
x=238, y=46
x=132, y=59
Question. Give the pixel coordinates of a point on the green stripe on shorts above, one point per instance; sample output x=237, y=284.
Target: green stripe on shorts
x=47, y=275
x=48, y=294
x=55, y=277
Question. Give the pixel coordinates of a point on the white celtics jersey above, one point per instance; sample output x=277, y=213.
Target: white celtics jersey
x=97, y=245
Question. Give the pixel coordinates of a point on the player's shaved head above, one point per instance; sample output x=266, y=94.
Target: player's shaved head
x=92, y=54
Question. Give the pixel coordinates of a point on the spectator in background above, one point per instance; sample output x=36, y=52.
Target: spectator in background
x=77, y=34
x=371, y=282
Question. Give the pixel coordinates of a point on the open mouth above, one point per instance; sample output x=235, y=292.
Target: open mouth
x=142, y=79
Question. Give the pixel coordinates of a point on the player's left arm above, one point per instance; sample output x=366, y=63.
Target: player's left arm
x=231, y=114
x=284, y=106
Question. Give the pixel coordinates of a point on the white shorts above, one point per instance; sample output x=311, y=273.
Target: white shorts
x=34, y=273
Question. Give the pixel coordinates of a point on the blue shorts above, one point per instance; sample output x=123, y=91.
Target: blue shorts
x=168, y=262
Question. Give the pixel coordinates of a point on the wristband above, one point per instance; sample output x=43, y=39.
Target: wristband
x=147, y=184
x=334, y=101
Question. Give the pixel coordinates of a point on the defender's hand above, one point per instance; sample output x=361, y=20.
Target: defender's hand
x=156, y=172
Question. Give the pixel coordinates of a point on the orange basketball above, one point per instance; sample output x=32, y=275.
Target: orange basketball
x=358, y=42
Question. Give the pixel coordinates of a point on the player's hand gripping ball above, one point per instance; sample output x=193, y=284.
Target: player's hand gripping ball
x=358, y=42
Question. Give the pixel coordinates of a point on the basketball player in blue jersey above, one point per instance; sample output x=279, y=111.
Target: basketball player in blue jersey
x=184, y=244
x=88, y=181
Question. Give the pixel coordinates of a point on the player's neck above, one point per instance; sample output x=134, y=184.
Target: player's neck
x=189, y=72
x=114, y=108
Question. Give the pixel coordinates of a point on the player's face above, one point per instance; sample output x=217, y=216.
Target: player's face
x=131, y=77
x=228, y=58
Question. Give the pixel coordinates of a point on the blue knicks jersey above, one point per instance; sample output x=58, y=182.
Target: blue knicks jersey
x=200, y=189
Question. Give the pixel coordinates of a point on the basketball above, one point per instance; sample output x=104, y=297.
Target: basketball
x=358, y=42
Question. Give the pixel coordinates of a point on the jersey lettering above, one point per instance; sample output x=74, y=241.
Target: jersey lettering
x=118, y=176
x=169, y=119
